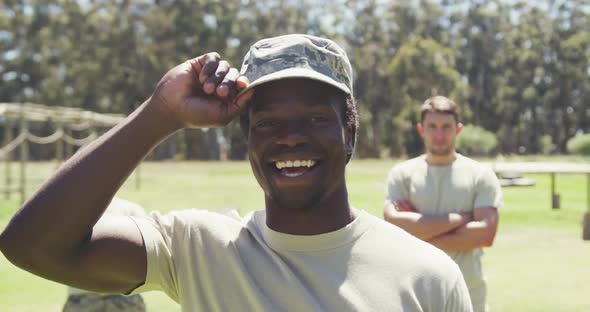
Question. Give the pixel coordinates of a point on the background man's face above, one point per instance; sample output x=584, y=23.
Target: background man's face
x=297, y=143
x=438, y=131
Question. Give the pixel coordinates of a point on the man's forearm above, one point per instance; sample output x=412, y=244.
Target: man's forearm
x=423, y=226
x=61, y=214
x=475, y=234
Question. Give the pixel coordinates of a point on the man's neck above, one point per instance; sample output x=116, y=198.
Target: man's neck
x=441, y=160
x=324, y=217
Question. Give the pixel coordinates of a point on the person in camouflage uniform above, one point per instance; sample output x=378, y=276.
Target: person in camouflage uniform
x=104, y=303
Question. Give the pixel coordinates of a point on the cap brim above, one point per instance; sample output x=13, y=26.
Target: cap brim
x=296, y=73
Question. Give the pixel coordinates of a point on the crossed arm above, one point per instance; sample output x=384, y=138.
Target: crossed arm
x=454, y=231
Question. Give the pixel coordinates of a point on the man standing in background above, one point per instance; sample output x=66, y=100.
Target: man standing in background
x=445, y=198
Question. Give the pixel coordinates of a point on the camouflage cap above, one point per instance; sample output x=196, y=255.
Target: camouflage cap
x=297, y=56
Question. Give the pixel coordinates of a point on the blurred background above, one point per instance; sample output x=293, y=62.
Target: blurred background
x=519, y=69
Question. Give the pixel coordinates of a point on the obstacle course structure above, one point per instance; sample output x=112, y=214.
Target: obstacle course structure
x=17, y=121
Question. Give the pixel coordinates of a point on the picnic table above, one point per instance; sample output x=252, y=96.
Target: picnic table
x=551, y=168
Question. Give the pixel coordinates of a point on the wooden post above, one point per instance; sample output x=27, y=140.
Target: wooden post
x=24, y=153
x=554, y=197
x=59, y=148
x=7, y=160
x=69, y=148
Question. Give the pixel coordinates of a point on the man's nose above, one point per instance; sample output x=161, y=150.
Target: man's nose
x=439, y=132
x=292, y=133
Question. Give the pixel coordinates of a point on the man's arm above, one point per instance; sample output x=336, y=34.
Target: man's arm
x=56, y=235
x=425, y=227
x=476, y=234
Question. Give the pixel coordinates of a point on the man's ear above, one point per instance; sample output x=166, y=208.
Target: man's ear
x=349, y=140
x=420, y=129
x=459, y=128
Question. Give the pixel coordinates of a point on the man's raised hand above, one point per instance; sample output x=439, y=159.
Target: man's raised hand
x=201, y=92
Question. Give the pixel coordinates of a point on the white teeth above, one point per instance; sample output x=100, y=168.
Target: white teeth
x=292, y=175
x=294, y=163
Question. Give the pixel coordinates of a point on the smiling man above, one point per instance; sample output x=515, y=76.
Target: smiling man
x=308, y=250
x=445, y=198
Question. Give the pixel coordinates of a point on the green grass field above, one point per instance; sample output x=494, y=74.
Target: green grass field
x=538, y=263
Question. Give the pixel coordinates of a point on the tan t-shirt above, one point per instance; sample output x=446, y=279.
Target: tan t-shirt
x=117, y=207
x=463, y=186
x=211, y=262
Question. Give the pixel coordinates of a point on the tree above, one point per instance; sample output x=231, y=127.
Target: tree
x=518, y=69
x=420, y=69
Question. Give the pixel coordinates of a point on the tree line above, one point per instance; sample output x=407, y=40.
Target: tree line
x=520, y=70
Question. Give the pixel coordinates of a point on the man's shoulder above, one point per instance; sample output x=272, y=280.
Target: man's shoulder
x=180, y=222
x=415, y=253
x=470, y=162
x=413, y=161
x=409, y=164
x=421, y=269
x=471, y=165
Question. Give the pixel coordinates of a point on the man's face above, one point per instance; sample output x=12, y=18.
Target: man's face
x=439, y=130
x=297, y=143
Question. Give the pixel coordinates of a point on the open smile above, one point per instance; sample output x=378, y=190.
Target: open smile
x=295, y=167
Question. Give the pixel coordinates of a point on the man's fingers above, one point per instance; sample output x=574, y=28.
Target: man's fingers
x=403, y=205
x=196, y=65
x=215, y=79
x=209, y=63
x=244, y=98
x=242, y=82
x=408, y=206
x=227, y=88
x=239, y=103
